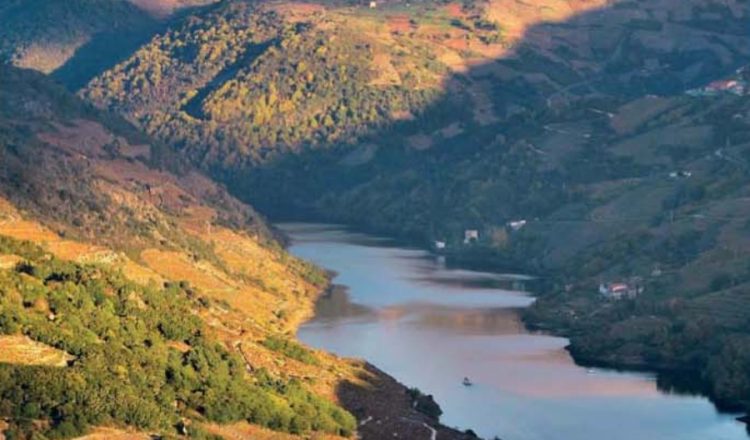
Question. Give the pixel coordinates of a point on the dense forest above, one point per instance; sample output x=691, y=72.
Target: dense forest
x=125, y=368
x=243, y=84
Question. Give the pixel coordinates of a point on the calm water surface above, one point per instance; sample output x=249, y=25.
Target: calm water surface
x=430, y=326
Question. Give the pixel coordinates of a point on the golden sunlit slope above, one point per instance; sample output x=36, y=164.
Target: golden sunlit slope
x=163, y=8
x=245, y=82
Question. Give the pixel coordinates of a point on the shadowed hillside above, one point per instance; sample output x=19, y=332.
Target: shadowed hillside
x=331, y=73
x=45, y=34
x=75, y=40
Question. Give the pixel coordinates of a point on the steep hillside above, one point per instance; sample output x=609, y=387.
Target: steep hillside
x=137, y=297
x=246, y=82
x=300, y=73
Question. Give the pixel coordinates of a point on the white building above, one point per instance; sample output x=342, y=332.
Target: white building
x=681, y=174
x=617, y=291
x=516, y=224
x=470, y=236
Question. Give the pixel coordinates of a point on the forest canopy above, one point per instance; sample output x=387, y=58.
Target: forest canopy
x=125, y=369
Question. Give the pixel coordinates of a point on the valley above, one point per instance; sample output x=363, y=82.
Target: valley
x=601, y=146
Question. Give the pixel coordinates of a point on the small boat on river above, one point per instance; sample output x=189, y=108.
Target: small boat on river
x=467, y=382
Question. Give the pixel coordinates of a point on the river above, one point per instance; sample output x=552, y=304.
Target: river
x=430, y=326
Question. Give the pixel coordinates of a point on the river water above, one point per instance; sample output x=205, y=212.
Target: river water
x=430, y=326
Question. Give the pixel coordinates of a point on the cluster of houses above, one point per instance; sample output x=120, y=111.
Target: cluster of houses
x=729, y=86
x=472, y=235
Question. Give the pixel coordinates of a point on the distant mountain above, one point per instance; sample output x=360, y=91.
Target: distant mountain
x=77, y=39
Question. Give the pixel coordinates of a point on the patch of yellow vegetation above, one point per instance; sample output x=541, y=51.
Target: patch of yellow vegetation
x=177, y=266
x=9, y=261
x=13, y=225
x=27, y=230
x=297, y=11
x=140, y=274
x=19, y=349
x=76, y=251
x=214, y=283
x=517, y=16
x=103, y=433
x=387, y=74
x=453, y=60
x=246, y=431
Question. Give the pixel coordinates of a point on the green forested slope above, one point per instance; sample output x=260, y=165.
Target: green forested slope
x=247, y=82
x=124, y=371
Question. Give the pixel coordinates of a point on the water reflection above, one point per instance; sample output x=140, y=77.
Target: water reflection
x=430, y=326
x=335, y=305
